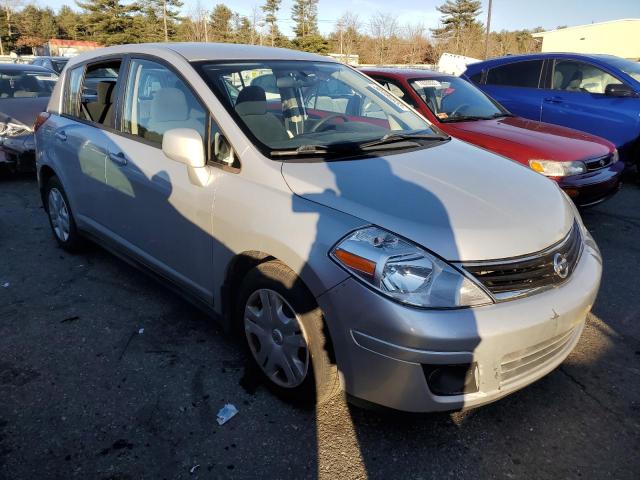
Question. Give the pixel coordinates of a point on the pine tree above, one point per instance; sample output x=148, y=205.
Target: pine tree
x=162, y=14
x=271, y=8
x=110, y=22
x=242, y=29
x=69, y=23
x=221, y=30
x=458, y=16
x=305, y=15
x=36, y=26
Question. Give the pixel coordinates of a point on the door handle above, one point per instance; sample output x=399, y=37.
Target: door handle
x=118, y=158
x=553, y=100
x=61, y=136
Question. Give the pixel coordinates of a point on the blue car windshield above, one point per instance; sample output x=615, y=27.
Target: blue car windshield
x=627, y=66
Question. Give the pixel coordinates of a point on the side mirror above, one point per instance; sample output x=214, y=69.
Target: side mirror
x=184, y=145
x=619, y=90
x=222, y=150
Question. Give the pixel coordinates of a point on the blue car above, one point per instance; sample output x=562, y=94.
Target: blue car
x=599, y=94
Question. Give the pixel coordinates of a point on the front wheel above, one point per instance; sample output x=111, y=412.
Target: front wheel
x=61, y=218
x=285, y=335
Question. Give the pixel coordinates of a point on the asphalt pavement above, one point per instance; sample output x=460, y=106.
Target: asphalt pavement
x=105, y=374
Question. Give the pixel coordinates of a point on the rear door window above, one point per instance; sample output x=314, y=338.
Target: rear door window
x=517, y=74
x=71, y=105
x=97, y=93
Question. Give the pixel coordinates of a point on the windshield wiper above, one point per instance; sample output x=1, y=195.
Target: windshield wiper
x=464, y=118
x=351, y=147
x=399, y=137
x=502, y=114
x=302, y=150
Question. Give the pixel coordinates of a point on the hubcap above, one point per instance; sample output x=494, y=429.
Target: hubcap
x=59, y=214
x=276, y=338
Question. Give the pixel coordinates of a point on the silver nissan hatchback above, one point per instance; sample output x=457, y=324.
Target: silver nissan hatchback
x=354, y=246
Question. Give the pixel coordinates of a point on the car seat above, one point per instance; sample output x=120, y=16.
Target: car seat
x=252, y=108
x=169, y=109
x=574, y=84
x=101, y=110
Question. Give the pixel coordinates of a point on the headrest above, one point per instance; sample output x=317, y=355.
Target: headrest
x=258, y=107
x=169, y=105
x=576, y=79
x=252, y=93
x=286, y=82
x=104, y=91
x=558, y=78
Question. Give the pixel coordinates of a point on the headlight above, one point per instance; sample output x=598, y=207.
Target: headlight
x=615, y=156
x=405, y=272
x=586, y=234
x=13, y=129
x=553, y=168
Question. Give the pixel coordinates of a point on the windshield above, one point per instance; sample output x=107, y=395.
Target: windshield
x=58, y=64
x=454, y=99
x=627, y=66
x=305, y=106
x=25, y=83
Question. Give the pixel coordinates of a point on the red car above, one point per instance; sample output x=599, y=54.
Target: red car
x=585, y=166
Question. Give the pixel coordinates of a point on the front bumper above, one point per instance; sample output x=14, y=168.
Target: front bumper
x=384, y=349
x=593, y=187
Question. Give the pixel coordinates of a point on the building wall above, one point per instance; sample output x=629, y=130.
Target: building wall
x=620, y=37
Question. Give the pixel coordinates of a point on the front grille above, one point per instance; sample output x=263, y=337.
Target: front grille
x=516, y=364
x=598, y=163
x=521, y=275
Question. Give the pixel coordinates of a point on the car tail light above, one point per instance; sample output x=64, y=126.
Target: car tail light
x=40, y=119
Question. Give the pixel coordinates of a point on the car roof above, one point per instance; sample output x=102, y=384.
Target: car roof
x=403, y=72
x=597, y=57
x=194, y=51
x=19, y=67
x=59, y=57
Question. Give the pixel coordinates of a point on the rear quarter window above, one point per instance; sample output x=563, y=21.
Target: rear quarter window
x=476, y=77
x=517, y=74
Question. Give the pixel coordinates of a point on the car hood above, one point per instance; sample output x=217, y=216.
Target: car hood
x=22, y=110
x=461, y=202
x=523, y=139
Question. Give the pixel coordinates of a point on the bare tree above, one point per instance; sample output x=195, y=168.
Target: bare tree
x=383, y=28
x=415, y=43
x=346, y=33
x=198, y=25
x=257, y=25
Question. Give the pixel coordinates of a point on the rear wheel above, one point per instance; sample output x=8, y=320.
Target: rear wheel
x=61, y=218
x=285, y=335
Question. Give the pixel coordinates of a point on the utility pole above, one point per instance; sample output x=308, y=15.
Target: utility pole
x=486, y=40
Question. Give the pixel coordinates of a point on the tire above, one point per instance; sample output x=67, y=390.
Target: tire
x=319, y=381
x=63, y=225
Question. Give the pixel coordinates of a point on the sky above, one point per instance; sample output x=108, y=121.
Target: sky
x=507, y=14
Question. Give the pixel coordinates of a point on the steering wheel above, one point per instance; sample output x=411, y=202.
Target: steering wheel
x=458, y=108
x=327, y=119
